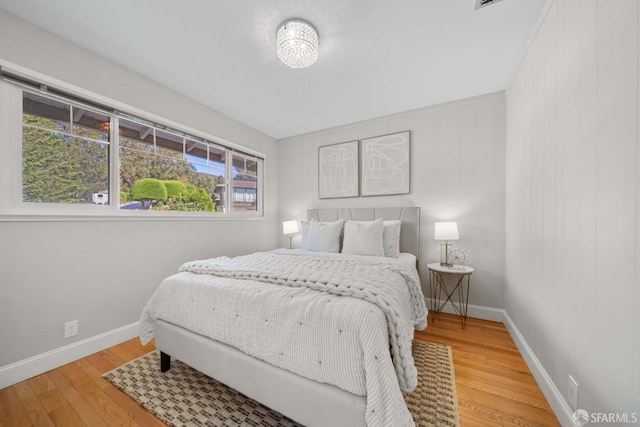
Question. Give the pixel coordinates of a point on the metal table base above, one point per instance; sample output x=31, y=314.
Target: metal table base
x=439, y=289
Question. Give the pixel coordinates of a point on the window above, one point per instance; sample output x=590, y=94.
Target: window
x=65, y=153
x=152, y=158
x=73, y=154
x=244, y=184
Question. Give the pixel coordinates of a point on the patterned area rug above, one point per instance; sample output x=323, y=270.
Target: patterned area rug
x=184, y=397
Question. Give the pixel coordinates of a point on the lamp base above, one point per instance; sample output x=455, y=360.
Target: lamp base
x=444, y=255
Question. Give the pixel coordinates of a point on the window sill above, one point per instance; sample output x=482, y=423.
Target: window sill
x=129, y=216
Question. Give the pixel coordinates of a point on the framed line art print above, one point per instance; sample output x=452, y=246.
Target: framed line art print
x=338, y=170
x=385, y=164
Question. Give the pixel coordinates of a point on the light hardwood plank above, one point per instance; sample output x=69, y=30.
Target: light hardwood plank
x=76, y=399
x=32, y=405
x=66, y=416
x=12, y=411
x=47, y=393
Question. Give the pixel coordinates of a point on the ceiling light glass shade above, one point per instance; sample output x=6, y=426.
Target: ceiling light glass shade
x=297, y=42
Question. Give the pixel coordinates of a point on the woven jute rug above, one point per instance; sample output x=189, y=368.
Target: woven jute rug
x=184, y=397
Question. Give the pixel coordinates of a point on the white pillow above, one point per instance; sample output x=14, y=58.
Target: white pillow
x=391, y=238
x=304, y=226
x=363, y=238
x=322, y=236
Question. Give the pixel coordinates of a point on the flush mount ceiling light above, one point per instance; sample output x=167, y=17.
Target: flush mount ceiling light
x=297, y=42
x=483, y=3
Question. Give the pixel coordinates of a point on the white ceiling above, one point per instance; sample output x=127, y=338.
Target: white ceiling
x=377, y=57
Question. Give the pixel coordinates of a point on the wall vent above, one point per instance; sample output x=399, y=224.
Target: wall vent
x=483, y=3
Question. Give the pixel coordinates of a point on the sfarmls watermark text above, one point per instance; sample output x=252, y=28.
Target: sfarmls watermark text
x=582, y=417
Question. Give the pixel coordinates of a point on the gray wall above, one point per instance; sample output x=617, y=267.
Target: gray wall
x=101, y=272
x=457, y=174
x=573, y=202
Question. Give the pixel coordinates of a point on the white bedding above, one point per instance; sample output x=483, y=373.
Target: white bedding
x=320, y=335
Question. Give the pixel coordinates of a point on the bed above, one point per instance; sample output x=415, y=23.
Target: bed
x=291, y=340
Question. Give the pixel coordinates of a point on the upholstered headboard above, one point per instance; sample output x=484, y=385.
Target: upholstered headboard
x=410, y=217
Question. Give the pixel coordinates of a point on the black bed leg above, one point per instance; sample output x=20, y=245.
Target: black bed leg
x=165, y=362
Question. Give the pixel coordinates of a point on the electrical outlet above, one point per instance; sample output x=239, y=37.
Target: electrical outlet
x=572, y=395
x=71, y=329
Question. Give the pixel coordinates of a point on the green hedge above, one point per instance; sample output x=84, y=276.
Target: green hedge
x=149, y=189
x=174, y=188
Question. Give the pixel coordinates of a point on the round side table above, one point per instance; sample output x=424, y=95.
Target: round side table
x=437, y=274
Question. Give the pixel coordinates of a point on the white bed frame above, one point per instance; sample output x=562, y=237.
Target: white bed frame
x=306, y=401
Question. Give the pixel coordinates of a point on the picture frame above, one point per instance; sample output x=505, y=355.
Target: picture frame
x=385, y=164
x=338, y=170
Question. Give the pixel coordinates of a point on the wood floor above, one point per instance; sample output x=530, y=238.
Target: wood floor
x=494, y=385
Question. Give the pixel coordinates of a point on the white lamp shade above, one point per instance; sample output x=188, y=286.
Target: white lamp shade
x=290, y=227
x=446, y=231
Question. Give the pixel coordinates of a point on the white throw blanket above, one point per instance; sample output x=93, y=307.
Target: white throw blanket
x=389, y=285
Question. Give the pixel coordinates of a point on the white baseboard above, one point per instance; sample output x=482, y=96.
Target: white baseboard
x=475, y=311
x=36, y=365
x=557, y=402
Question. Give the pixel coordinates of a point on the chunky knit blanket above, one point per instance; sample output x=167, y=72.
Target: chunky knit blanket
x=390, y=286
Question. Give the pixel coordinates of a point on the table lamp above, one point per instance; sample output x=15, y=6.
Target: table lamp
x=290, y=228
x=445, y=231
